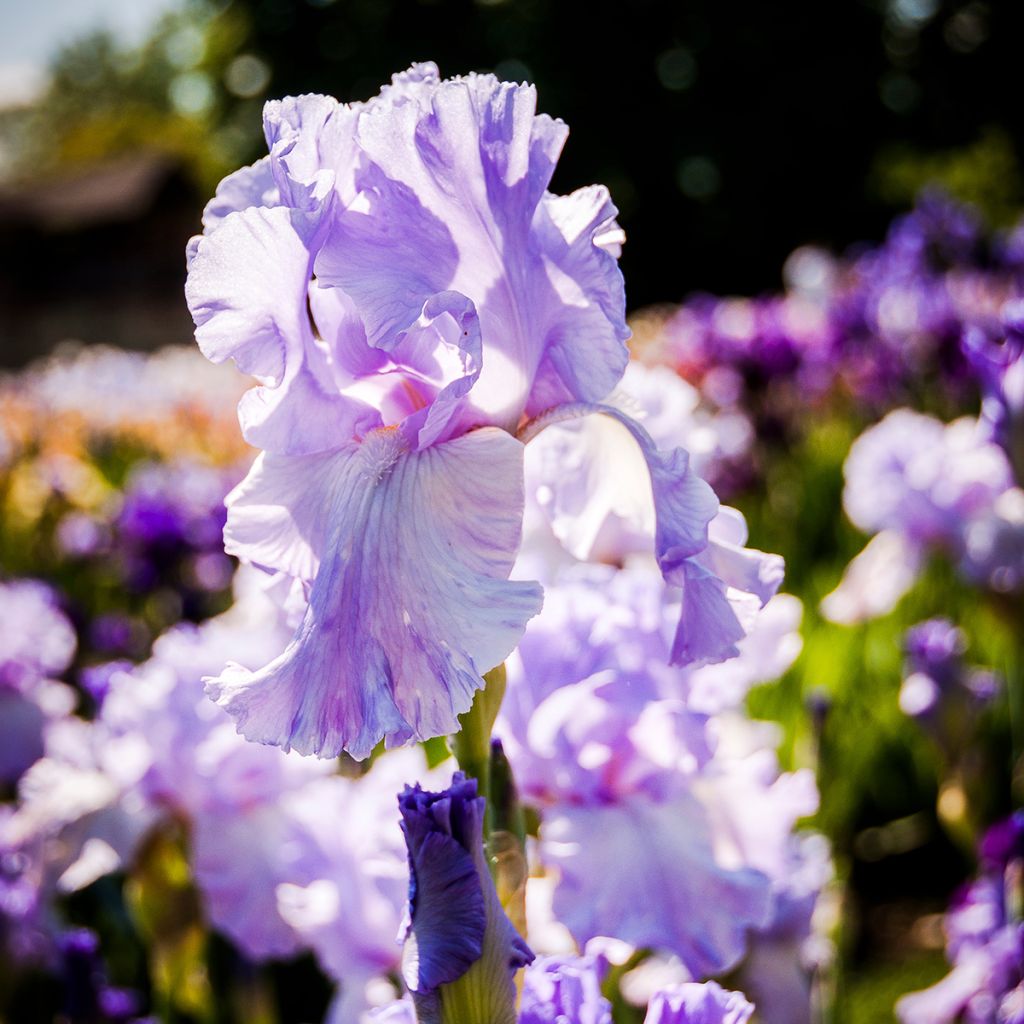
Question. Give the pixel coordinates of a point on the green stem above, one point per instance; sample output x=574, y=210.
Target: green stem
x=472, y=744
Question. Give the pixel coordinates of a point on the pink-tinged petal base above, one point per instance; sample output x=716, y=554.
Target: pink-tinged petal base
x=411, y=603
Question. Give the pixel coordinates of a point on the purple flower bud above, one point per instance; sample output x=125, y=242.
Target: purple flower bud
x=460, y=948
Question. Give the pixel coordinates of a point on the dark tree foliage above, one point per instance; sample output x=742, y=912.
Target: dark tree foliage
x=729, y=133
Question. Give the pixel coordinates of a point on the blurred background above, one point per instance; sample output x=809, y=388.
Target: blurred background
x=766, y=150
x=729, y=134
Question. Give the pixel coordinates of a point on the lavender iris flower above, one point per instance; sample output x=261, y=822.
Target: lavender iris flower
x=691, y=1003
x=564, y=990
x=461, y=951
x=408, y=293
x=36, y=639
x=923, y=486
x=605, y=743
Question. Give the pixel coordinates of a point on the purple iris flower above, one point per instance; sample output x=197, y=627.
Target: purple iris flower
x=455, y=921
x=88, y=997
x=691, y=1003
x=564, y=990
x=997, y=358
x=410, y=296
x=984, y=942
x=938, y=689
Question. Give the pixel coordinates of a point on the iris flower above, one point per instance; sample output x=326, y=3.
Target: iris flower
x=416, y=306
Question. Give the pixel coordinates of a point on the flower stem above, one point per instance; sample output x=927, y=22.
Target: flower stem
x=472, y=744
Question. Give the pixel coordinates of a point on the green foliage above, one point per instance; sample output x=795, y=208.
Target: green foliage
x=985, y=173
x=168, y=96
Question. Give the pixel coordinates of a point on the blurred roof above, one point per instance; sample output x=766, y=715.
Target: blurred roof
x=117, y=190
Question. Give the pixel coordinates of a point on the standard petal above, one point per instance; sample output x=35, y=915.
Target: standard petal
x=311, y=145
x=411, y=603
x=247, y=291
x=585, y=352
x=248, y=186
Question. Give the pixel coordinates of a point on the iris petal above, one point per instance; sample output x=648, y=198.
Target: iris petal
x=411, y=603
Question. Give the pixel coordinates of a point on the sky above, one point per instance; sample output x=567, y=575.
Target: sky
x=35, y=29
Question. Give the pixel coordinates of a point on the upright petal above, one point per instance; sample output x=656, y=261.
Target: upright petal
x=248, y=186
x=692, y=1003
x=247, y=291
x=585, y=354
x=411, y=603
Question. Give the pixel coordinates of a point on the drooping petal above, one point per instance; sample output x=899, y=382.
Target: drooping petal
x=590, y=484
x=411, y=603
x=875, y=580
x=711, y=625
x=747, y=569
x=683, y=504
x=666, y=893
x=238, y=859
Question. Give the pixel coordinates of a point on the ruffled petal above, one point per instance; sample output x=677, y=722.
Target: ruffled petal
x=278, y=515
x=311, y=144
x=248, y=186
x=411, y=603
x=585, y=354
x=247, y=289
x=694, y=1003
